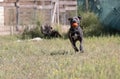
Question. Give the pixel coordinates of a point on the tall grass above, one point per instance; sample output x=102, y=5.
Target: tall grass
x=55, y=59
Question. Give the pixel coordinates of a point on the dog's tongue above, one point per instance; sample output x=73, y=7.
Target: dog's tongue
x=75, y=24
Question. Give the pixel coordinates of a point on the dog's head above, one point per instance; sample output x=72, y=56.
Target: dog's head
x=46, y=29
x=75, y=21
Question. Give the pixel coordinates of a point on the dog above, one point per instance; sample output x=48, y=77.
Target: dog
x=75, y=33
x=48, y=31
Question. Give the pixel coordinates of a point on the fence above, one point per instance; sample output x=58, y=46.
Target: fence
x=20, y=13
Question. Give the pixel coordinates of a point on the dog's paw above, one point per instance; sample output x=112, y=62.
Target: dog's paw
x=82, y=51
x=76, y=50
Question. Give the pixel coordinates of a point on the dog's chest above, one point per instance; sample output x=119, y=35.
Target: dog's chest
x=74, y=33
x=75, y=36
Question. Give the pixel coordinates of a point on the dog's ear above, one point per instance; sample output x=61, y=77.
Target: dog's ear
x=69, y=19
x=80, y=17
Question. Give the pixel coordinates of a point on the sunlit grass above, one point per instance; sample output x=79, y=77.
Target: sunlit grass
x=55, y=59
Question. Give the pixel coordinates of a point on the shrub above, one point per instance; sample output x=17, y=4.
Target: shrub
x=32, y=32
x=91, y=24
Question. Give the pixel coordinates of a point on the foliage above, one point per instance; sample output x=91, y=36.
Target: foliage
x=32, y=32
x=91, y=24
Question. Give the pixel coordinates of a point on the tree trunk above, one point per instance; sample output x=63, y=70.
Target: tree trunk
x=86, y=5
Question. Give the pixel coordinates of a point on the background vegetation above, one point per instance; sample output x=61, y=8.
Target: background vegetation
x=91, y=24
x=56, y=59
x=32, y=32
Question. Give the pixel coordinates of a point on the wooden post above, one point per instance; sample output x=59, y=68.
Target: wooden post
x=17, y=15
x=58, y=12
x=1, y=14
x=54, y=12
x=86, y=5
x=51, y=12
x=43, y=11
x=35, y=3
x=64, y=16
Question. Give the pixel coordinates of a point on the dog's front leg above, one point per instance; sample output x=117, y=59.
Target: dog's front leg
x=73, y=42
x=74, y=45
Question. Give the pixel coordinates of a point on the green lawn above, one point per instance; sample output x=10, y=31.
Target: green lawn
x=55, y=59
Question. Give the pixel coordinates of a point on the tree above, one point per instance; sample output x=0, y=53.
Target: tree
x=86, y=5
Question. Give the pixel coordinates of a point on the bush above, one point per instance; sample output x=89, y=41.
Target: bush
x=36, y=32
x=91, y=24
x=32, y=32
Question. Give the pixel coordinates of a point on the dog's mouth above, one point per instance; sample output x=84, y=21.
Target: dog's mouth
x=74, y=24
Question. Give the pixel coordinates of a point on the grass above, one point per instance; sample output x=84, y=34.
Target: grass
x=55, y=59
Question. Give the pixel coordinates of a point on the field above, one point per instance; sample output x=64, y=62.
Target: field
x=55, y=59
